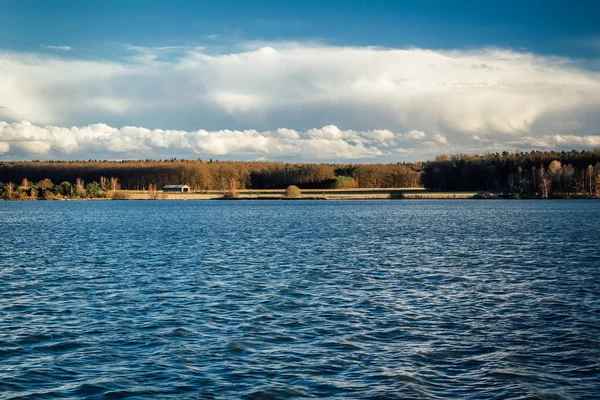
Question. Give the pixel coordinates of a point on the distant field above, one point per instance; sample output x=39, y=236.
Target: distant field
x=409, y=193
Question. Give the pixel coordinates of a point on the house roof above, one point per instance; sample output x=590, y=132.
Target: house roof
x=175, y=186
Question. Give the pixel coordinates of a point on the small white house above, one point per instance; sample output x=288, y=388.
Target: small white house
x=176, y=189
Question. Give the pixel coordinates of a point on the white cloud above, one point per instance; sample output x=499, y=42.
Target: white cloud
x=415, y=134
x=439, y=139
x=396, y=101
x=60, y=48
x=553, y=141
x=23, y=139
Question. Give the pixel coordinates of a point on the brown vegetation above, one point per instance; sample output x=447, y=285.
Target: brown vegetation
x=532, y=174
x=292, y=192
x=202, y=175
x=47, y=190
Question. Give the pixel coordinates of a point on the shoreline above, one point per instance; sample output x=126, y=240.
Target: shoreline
x=316, y=194
x=307, y=194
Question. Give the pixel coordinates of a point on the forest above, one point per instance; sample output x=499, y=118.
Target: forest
x=80, y=178
x=521, y=174
x=536, y=173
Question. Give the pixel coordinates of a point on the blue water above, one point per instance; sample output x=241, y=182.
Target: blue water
x=282, y=299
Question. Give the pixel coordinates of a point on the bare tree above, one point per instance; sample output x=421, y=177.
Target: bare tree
x=45, y=184
x=545, y=183
x=114, y=184
x=568, y=172
x=153, y=191
x=79, y=187
x=103, y=183
x=10, y=187
x=511, y=182
x=596, y=180
x=589, y=174
x=554, y=173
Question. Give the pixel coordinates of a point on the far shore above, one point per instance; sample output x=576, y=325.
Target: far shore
x=311, y=194
x=318, y=194
x=307, y=194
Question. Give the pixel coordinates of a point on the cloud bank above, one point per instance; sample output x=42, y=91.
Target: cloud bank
x=477, y=100
x=99, y=141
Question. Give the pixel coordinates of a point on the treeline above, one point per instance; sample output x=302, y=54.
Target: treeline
x=202, y=175
x=535, y=173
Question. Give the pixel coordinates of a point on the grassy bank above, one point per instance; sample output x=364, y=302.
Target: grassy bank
x=330, y=194
x=310, y=194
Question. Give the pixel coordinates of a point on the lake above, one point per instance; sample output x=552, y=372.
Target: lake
x=283, y=299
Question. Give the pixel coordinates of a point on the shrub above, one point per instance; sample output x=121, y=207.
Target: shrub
x=344, y=182
x=66, y=189
x=80, y=189
x=49, y=195
x=292, y=192
x=118, y=195
x=45, y=184
x=94, y=190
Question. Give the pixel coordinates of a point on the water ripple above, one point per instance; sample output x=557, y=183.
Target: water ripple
x=257, y=300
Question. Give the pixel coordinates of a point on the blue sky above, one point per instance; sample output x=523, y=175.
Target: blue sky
x=565, y=28
x=296, y=80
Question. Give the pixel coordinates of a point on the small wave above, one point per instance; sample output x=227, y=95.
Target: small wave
x=277, y=393
x=341, y=345
x=514, y=375
x=236, y=347
x=60, y=347
x=89, y=389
